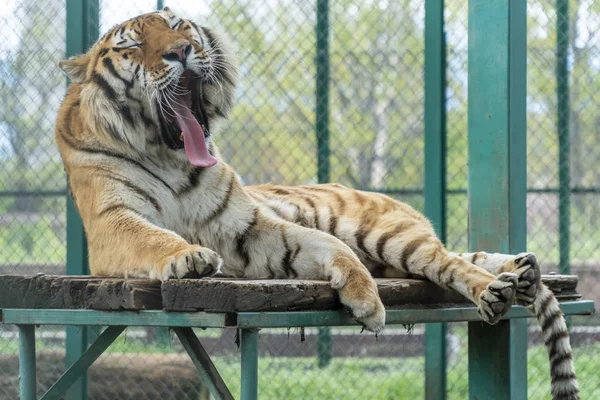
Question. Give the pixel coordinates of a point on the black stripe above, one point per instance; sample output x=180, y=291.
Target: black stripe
x=108, y=64
x=103, y=52
x=224, y=203
x=476, y=256
x=545, y=303
x=449, y=261
x=552, y=343
x=278, y=190
x=105, y=86
x=410, y=248
x=556, y=362
x=287, y=259
x=193, y=179
x=364, y=229
x=138, y=190
x=563, y=377
x=333, y=221
x=550, y=321
x=277, y=211
x=116, y=207
x=341, y=202
x=242, y=238
x=118, y=156
x=312, y=205
x=381, y=242
x=126, y=112
x=271, y=272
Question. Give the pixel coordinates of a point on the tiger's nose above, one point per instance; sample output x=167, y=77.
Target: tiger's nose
x=178, y=52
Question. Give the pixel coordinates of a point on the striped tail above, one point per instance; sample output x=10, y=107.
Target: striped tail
x=556, y=339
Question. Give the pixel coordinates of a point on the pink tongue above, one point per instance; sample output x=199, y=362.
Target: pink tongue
x=193, y=134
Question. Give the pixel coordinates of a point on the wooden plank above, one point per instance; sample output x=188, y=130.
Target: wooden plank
x=79, y=292
x=238, y=295
x=223, y=295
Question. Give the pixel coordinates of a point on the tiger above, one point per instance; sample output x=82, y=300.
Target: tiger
x=136, y=133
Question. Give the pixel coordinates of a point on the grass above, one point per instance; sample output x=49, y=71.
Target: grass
x=359, y=377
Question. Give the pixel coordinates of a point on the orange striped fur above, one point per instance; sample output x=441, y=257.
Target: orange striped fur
x=148, y=212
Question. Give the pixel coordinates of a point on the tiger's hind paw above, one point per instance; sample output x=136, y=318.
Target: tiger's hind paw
x=497, y=298
x=529, y=277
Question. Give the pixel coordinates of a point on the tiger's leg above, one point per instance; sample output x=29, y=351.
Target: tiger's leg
x=137, y=248
x=524, y=265
x=283, y=250
x=384, y=232
x=411, y=246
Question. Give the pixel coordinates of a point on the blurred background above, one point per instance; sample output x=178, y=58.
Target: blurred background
x=376, y=128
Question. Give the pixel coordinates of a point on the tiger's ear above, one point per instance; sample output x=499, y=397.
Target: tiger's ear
x=75, y=67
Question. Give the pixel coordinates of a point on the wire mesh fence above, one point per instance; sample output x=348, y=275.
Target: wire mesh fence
x=376, y=128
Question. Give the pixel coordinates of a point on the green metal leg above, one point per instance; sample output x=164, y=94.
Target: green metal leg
x=249, y=364
x=80, y=366
x=207, y=370
x=325, y=347
x=435, y=361
x=498, y=360
x=27, y=378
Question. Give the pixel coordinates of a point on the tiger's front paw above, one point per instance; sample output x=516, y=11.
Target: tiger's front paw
x=529, y=277
x=497, y=298
x=193, y=262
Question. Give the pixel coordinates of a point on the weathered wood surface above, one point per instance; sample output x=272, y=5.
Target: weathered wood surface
x=230, y=295
x=79, y=292
x=223, y=295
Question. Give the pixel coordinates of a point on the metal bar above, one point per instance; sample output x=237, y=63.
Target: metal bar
x=24, y=193
x=207, y=370
x=435, y=178
x=420, y=192
x=27, y=373
x=82, y=31
x=81, y=366
x=121, y=318
x=249, y=364
x=324, y=347
x=393, y=317
x=25, y=316
x=435, y=361
x=160, y=4
x=322, y=92
x=563, y=116
x=325, y=340
x=497, y=179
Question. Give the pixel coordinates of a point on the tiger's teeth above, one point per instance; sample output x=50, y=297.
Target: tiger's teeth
x=181, y=137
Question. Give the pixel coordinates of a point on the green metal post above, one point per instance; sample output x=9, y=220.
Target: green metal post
x=82, y=31
x=325, y=340
x=435, y=178
x=249, y=364
x=563, y=116
x=27, y=377
x=497, y=180
x=160, y=4
x=322, y=91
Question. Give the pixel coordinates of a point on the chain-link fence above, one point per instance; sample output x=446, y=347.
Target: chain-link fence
x=376, y=128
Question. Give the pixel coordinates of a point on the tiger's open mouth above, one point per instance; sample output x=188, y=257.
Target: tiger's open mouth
x=184, y=120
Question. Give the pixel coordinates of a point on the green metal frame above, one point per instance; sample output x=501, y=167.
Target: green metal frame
x=82, y=31
x=564, y=149
x=247, y=323
x=435, y=178
x=497, y=180
x=322, y=81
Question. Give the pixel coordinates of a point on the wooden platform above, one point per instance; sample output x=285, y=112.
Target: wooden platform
x=224, y=295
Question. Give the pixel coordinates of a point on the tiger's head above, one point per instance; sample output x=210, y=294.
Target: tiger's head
x=156, y=80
